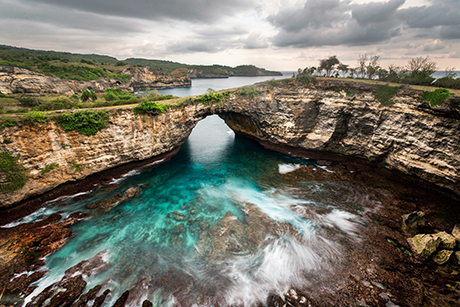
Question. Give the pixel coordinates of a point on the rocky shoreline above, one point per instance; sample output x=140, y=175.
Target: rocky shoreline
x=382, y=270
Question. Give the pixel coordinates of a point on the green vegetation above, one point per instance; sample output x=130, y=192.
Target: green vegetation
x=7, y=141
x=150, y=107
x=34, y=117
x=81, y=67
x=49, y=168
x=87, y=95
x=219, y=70
x=76, y=166
x=7, y=122
x=28, y=101
x=436, y=97
x=86, y=122
x=209, y=98
x=14, y=174
x=305, y=79
x=61, y=103
x=384, y=93
x=116, y=94
x=250, y=91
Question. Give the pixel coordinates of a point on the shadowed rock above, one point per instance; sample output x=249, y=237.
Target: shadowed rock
x=60, y=294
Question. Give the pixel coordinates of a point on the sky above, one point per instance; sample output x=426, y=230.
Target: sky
x=274, y=34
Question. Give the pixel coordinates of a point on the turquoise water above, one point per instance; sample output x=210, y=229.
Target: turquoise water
x=165, y=243
x=199, y=86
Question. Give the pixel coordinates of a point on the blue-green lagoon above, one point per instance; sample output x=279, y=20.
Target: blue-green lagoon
x=218, y=224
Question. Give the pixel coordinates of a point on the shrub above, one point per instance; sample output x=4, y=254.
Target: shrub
x=86, y=122
x=88, y=94
x=304, y=79
x=109, y=96
x=49, y=168
x=448, y=82
x=13, y=172
x=116, y=94
x=74, y=97
x=34, y=117
x=150, y=107
x=7, y=141
x=210, y=98
x=250, y=91
x=57, y=104
x=384, y=93
x=9, y=122
x=2, y=95
x=28, y=101
x=437, y=97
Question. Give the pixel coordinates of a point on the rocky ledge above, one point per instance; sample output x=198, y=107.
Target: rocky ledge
x=20, y=80
x=409, y=136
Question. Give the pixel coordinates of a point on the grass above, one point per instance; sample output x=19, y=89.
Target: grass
x=13, y=172
x=385, y=93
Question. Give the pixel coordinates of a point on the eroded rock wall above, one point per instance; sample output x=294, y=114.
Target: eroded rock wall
x=127, y=138
x=408, y=136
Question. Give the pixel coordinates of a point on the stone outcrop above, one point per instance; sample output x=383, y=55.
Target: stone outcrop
x=412, y=222
x=424, y=245
x=20, y=80
x=307, y=120
x=144, y=77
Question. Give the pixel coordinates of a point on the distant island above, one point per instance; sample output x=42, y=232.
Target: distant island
x=87, y=67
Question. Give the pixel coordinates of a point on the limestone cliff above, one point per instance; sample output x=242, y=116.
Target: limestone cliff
x=409, y=136
x=20, y=80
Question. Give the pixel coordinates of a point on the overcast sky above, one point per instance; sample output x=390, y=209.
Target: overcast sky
x=275, y=34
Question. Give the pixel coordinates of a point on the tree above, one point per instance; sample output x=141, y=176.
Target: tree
x=373, y=66
x=328, y=64
x=362, y=65
x=421, y=67
x=418, y=71
x=343, y=68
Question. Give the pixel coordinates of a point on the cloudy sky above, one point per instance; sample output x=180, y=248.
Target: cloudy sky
x=275, y=34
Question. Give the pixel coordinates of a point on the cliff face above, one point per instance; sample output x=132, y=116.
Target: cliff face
x=408, y=136
x=127, y=138
x=20, y=80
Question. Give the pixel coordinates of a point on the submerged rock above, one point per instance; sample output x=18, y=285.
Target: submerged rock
x=412, y=222
x=62, y=293
x=130, y=193
x=442, y=256
x=177, y=216
x=424, y=245
x=121, y=300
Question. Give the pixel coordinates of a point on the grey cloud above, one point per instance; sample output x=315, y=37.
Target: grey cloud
x=69, y=19
x=335, y=22
x=441, y=13
x=341, y=22
x=376, y=12
x=195, y=11
x=256, y=41
x=191, y=46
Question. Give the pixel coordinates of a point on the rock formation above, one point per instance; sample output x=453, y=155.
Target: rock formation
x=20, y=80
x=408, y=136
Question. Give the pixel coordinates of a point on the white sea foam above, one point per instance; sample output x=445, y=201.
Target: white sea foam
x=287, y=168
x=129, y=174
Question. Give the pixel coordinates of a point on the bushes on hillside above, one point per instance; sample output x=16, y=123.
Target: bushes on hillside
x=116, y=94
x=86, y=122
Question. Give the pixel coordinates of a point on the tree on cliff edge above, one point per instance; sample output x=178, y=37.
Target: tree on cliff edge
x=328, y=64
